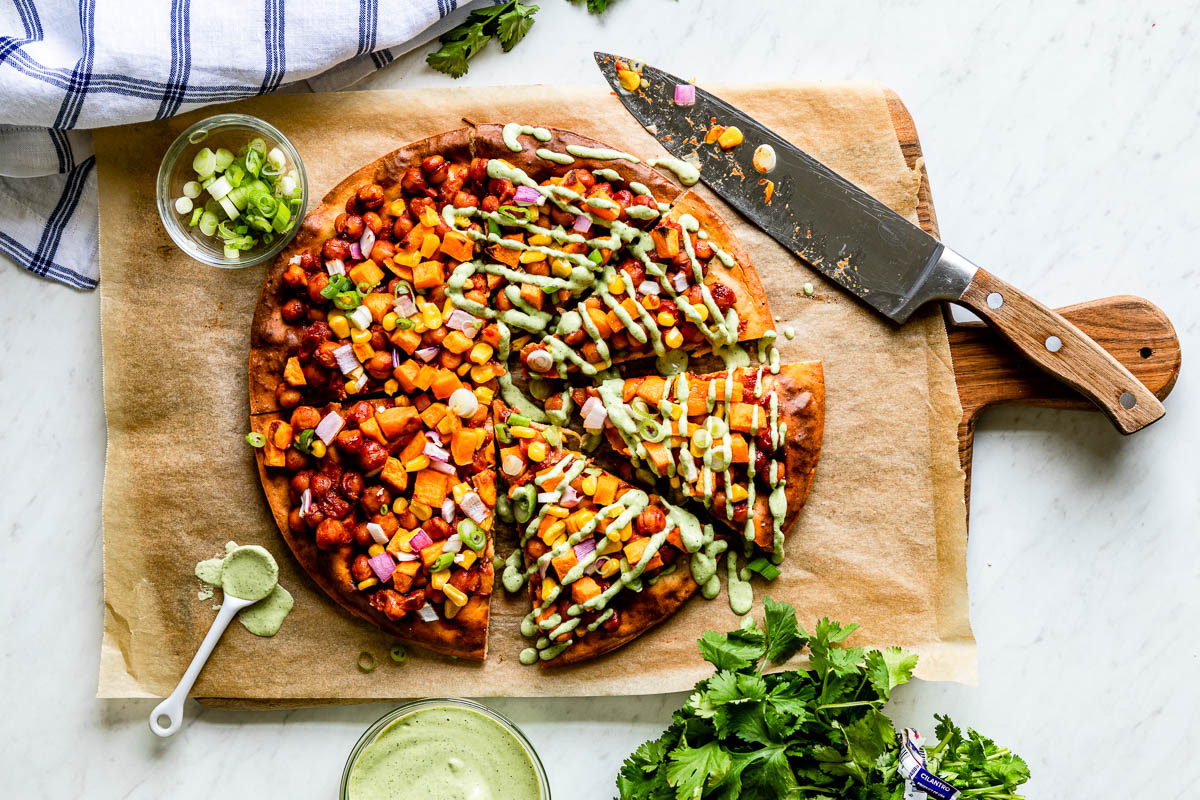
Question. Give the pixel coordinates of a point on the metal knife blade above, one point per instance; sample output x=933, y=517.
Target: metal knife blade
x=837, y=228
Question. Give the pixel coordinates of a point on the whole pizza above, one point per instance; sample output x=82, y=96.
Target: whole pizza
x=488, y=330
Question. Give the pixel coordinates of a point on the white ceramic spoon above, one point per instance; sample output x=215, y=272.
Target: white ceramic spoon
x=263, y=568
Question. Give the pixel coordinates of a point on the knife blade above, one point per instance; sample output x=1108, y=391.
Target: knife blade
x=866, y=248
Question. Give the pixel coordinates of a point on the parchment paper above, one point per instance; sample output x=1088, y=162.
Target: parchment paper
x=882, y=540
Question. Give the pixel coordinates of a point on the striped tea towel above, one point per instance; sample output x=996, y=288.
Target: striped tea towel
x=70, y=65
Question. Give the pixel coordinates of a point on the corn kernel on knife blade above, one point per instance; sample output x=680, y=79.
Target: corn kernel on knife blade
x=837, y=228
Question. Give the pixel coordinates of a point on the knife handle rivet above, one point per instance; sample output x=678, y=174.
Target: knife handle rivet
x=1127, y=400
x=995, y=300
x=1054, y=344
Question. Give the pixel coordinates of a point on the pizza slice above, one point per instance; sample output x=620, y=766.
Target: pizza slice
x=743, y=443
x=388, y=505
x=604, y=560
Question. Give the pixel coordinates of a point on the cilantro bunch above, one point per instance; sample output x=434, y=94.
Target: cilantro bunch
x=807, y=734
x=507, y=23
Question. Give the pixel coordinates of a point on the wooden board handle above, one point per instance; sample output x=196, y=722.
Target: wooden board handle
x=1051, y=342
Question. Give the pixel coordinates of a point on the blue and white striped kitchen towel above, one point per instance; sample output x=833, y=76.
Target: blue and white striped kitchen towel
x=70, y=65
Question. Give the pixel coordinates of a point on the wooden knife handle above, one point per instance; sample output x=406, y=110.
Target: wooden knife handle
x=1061, y=349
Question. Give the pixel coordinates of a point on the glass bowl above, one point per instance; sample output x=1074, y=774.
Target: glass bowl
x=230, y=131
x=442, y=702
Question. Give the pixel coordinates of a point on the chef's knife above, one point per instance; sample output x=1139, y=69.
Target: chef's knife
x=868, y=249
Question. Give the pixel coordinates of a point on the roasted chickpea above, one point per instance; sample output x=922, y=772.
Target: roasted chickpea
x=402, y=226
x=370, y=196
x=304, y=418
x=502, y=188
x=437, y=528
x=296, y=521
x=334, y=250
x=332, y=533
x=432, y=164
x=320, y=483
x=382, y=251
x=360, y=412
x=465, y=200
x=360, y=570
x=723, y=296
x=434, y=337
x=408, y=520
x=287, y=396
x=309, y=263
x=650, y=521
x=350, y=441
x=294, y=276
x=294, y=460
x=334, y=506
x=373, y=222
x=314, y=376
x=324, y=354
x=293, y=310
x=353, y=228
x=478, y=171
x=414, y=183
x=491, y=203
x=379, y=339
x=372, y=456
x=301, y=481
x=375, y=498
x=352, y=485
x=702, y=248
x=316, y=284
x=450, y=360
x=379, y=366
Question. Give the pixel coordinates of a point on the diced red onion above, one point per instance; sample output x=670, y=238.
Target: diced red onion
x=649, y=287
x=407, y=556
x=680, y=281
x=448, y=509
x=443, y=467
x=474, y=507
x=382, y=565
x=356, y=251
x=595, y=565
x=583, y=223
x=294, y=260
x=426, y=613
x=435, y=452
x=570, y=497
x=434, y=437
x=335, y=267
x=404, y=305
x=460, y=320
x=512, y=465
x=305, y=502
x=595, y=420
x=366, y=242
x=584, y=549
x=377, y=533
x=590, y=405
x=420, y=540
x=328, y=427
x=527, y=196
x=428, y=353
x=360, y=317
x=346, y=360
x=543, y=564
x=452, y=544
x=396, y=358
x=685, y=94
x=360, y=382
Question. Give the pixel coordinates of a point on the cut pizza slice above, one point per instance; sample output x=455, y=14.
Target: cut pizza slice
x=605, y=561
x=744, y=443
x=388, y=505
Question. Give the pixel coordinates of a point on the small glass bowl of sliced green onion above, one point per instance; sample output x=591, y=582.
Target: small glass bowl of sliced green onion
x=232, y=191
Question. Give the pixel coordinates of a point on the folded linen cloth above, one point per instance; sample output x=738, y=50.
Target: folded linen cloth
x=70, y=65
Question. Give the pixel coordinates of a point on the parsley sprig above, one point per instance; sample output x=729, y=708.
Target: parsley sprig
x=507, y=22
x=807, y=734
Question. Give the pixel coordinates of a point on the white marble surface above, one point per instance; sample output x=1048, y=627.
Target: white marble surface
x=1060, y=141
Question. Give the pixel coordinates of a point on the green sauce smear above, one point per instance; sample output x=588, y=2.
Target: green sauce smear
x=249, y=572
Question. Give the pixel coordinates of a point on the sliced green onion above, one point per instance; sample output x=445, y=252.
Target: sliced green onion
x=472, y=535
x=651, y=431
x=232, y=253
x=276, y=158
x=269, y=171
x=254, y=162
x=219, y=188
x=493, y=228
x=501, y=430
x=404, y=323
x=255, y=439
x=347, y=301
x=183, y=205
x=198, y=136
x=366, y=661
x=204, y=162
x=364, y=287
x=764, y=567
x=207, y=182
x=229, y=208
x=258, y=145
x=519, y=421
x=241, y=229
x=595, y=257
x=304, y=440
x=287, y=186
x=524, y=501
x=238, y=197
x=442, y=562
x=398, y=654
x=235, y=175
x=282, y=220
x=266, y=205
x=260, y=224
x=208, y=223
x=196, y=215
x=384, y=510
x=192, y=189
x=224, y=159
x=294, y=205
x=335, y=285
x=226, y=231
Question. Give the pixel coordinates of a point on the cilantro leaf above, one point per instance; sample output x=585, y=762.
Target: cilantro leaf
x=596, y=6
x=689, y=767
x=736, y=650
x=509, y=22
x=458, y=47
x=512, y=26
x=784, y=635
x=887, y=669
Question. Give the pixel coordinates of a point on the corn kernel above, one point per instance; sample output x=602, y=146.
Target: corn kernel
x=399, y=505
x=665, y=318
x=367, y=584
x=557, y=511
x=615, y=510
x=484, y=395
x=420, y=510
x=560, y=268
x=730, y=137
x=651, y=302
x=616, y=285
x=554, y=531
x=480, y=353
x=674, y=481
x=673, y=338
x=630, y=80
x=454, y=595
x=438, y=579
x=429, y=216
x=701, y=311
x=521, y=432
x=737, y=493
x=468, y=558
x=537, y=451
x=577, y=521
x=609, y=568
x=607, y=546
x=431, y=316
x=449, y=610
x=351, y=387
x=317, y=448
x=375, y=550
x=391, y=386
x=363, y=351
x=589, y=485
x=430, y=244
x=627, y=533
x=417, y=464
x=360, y=337
x=531, y=256
x=397, y=207
x=389, y=321
x=548, y=587
x=612, y=535
x=539, y=239
x=463, y=368
x=339, y=325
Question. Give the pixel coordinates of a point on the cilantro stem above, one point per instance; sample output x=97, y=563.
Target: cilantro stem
x=872, y=703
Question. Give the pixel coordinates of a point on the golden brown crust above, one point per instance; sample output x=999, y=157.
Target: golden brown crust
x=271, y=339
x=463, y=637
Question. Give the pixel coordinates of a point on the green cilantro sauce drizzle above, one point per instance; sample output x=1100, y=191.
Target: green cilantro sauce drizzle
x=601, y=154
x=557, y=158
x=512, y=130
x=688, y=175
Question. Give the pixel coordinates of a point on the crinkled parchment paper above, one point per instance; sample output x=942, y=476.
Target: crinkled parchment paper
x=882, y=540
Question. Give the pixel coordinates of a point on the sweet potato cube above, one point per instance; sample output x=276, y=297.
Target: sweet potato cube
x=433, y=414
x=394, y=475
x=456, y=245
x=370, y=428
x=485, y=487
x=444, y=384
x=675, y=539
x=606, y=490
x=564, y=563
x=629, y=389
x=463, y=445
x=651, y=390
x=408, y=340
x=457, y=342
x=367, y=272
x=741, y=416
x=379, y=304
x=413, y=448
x=425, y=376
x=666, y=241
x=508, y=256
x=394, y=421
x=428, y=274
x=406, y=375
x=430, y=488
x=659, y=456
x=636, y=549
x=430, y=554
x=533, y=295
x=402, y=578
x=293, y=374
x=584, y=589
x=273, y=456
x=739, y=448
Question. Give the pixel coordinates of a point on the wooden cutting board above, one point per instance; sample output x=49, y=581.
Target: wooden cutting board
x=989, y=372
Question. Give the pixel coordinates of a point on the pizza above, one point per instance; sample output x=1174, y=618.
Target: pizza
x=488, y=271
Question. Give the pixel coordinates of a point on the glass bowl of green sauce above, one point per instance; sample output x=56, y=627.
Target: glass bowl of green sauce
x=444, y=749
